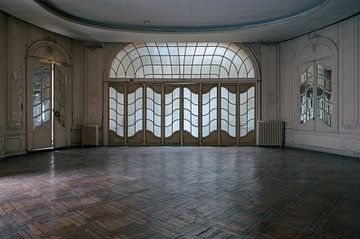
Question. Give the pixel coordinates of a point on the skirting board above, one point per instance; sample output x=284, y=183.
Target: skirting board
x=325, y=150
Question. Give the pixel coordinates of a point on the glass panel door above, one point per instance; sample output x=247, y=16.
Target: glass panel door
x=181, y=114
x=316, y=96
x=191, y=114
x=172, y=102
x=324, y=94
x=307, y=94
x=40, y=100
x=246, y=125
x=153, y=114
x=228, y=116
x=116, y=114
x=135, y=111
x=209, y=114
x=41, y=97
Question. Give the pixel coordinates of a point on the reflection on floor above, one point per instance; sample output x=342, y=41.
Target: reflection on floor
x=180, y=192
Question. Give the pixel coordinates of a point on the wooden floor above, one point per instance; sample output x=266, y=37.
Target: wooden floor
x=180, y=192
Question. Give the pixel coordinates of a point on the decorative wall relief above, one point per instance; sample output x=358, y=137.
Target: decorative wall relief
x=15, y=77
x=92, y=108
x=351, y=143
x=269, y=62
x=13, y=145
x=77, y=86
x=15, y=102
x=93, y=83
x=271, y=99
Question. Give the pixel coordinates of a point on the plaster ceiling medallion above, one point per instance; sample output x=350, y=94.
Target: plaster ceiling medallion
x=181, y=15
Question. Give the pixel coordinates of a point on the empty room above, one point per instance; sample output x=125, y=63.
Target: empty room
x=179, y=119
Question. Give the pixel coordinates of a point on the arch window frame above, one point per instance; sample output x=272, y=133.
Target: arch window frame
x=182, y=61
x=182, y=77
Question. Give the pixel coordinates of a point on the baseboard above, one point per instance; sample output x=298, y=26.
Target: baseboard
x=346, y=153
x=3, y=156
x=10, y=155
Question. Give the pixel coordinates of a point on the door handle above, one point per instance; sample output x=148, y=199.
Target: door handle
x=57, y=114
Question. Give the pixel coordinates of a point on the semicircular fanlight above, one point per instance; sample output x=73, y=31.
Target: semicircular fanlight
x=182, y=61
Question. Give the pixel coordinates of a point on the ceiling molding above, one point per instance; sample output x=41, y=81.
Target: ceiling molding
x=275, y=30
x=181, y=29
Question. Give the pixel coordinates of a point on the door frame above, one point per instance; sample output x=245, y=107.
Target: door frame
x=48, y=52
x=247, y=83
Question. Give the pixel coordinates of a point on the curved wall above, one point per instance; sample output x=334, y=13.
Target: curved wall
x=344, y=138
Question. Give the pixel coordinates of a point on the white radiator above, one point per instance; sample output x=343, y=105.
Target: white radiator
x=270, y=133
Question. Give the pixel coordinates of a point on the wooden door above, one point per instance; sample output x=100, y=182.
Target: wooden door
x=39, y=102
x=59, y=109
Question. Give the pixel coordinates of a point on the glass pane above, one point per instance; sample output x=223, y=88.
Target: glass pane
x=247, y=112
x=182, y=60
x=41, y=96
x=116, y=112
x=135, y=112
x=306, y=95
x=323, y=94
x=157, y=132
x=153, y=112
x=172, y=112
x=190, y=112
x=209, y=112
x=37, y=121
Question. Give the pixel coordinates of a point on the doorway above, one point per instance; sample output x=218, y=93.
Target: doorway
x=182, y=113
x=46, y=111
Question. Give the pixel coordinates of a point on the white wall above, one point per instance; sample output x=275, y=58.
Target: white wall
x=15, y=38
x=2, y=83
x=88, y=69
x=344, y=40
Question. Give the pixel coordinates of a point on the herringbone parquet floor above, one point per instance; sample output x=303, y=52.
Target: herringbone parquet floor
x=179, y=192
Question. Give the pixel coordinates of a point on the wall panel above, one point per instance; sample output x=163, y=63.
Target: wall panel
x=345, y=139
x=93, y=69
x=349, y=73
x=2, y=79
x=269, y=81
x=15, y=77
x=286, y=85
x=16, y=36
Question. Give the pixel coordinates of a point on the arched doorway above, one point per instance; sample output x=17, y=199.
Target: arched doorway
x=47, y=70
x=181, y=94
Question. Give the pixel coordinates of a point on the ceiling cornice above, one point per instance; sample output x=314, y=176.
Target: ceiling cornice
x=328, y=12
x=181, y=29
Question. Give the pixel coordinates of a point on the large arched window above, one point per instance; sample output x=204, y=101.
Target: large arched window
x=182, y=61
x=182, y=94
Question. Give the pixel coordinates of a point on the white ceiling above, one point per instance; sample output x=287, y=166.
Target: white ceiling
x=181, y=20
